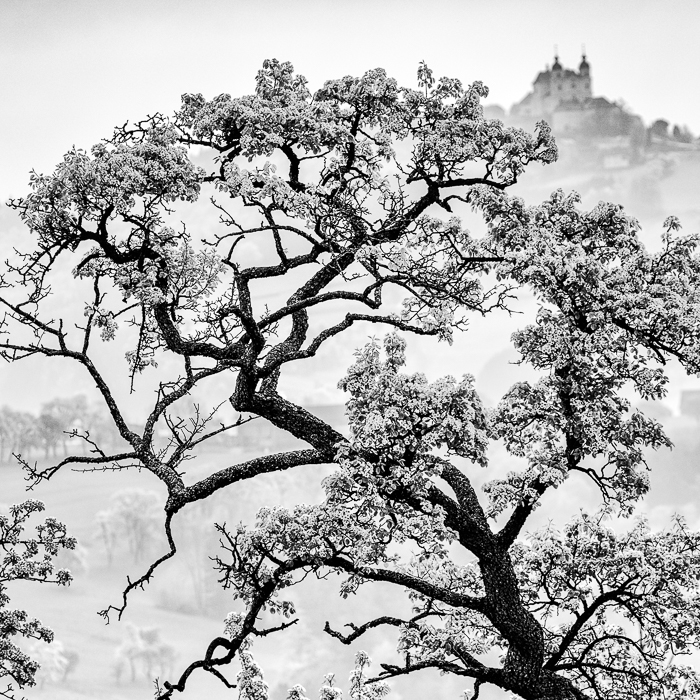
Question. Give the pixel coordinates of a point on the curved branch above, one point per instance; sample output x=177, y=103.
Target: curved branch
x=452, y=598
x=581, y=620
x=377, y=622
x=36, y=476
x=142, y=580
x=247, y=628
x=239, y=472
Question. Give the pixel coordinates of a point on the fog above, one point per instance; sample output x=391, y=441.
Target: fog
x=72, y=70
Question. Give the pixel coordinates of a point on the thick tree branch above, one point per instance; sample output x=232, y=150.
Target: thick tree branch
x=239, y=472
x=410, y=582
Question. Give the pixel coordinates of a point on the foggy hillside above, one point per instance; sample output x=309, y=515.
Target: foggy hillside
x=113, y=66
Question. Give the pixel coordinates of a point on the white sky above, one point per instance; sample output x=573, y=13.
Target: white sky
x=72, y=69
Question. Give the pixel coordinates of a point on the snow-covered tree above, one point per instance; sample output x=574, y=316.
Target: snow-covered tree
x=339, y=208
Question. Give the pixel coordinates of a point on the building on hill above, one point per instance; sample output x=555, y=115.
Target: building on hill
x=556, y=89
x=564, y=99
x=592, y=130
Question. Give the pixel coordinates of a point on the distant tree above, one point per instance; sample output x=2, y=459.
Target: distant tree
x=340, y=202
x=143, y=654
x=56, y=663
x=6, y=433
x=197, y=538
x=134, y=520
x=19, y=433
x=50, y=431
x=100, y=429
x=660, y=128
x=58, y=418
x=26, y=558
x=682, y=134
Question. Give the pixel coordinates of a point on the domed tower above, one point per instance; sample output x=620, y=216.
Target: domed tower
x=584, y=68
x=584, y=71
x=556, y=68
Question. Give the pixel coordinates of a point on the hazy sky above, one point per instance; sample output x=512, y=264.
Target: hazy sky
x=72, y=69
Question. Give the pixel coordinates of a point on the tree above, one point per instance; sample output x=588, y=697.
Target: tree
x=56, y=420
x=18, y=432
x=133, y=521
x=56, y=662
x=26, y=559
x=347, y=199
x=660, y=128
x=141, y=651
x=682, y=134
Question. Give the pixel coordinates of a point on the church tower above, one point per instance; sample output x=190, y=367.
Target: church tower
x=584, y=67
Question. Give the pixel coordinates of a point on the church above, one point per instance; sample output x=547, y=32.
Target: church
x=564, y=99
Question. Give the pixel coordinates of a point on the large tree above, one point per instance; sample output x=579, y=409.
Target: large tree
x=348, y=201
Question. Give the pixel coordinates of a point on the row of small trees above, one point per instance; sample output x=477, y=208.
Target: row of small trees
x=50, y=431
x=679, y=133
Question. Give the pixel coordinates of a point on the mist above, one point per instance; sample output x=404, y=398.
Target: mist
x=72, y=70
